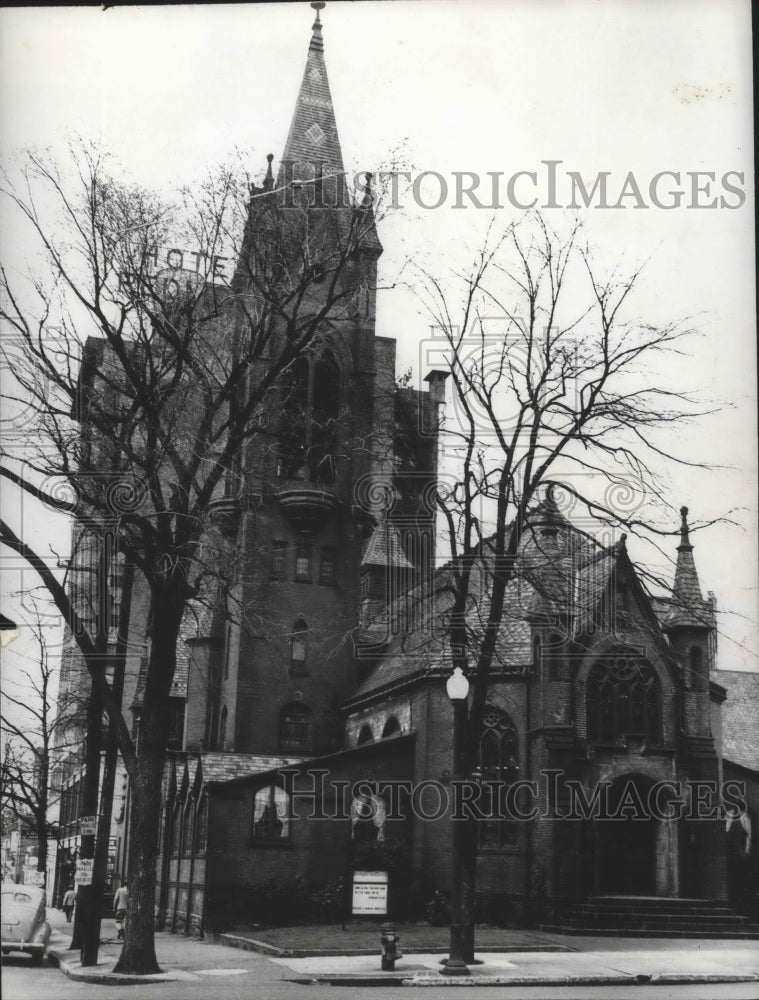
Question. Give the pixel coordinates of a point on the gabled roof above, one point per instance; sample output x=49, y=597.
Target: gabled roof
x=563, y=575
x=740, y=717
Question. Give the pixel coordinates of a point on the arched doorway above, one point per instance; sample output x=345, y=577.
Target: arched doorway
x=627, y=840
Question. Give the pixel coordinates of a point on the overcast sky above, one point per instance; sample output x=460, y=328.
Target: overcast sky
x=620, y=86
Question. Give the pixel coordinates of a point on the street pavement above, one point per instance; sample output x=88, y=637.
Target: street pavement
x=595, y=962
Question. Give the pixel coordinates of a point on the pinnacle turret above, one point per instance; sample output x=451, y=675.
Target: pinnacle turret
x=688, y=607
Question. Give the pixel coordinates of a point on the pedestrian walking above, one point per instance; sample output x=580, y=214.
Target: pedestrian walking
x=69, y=902
x=120, y=901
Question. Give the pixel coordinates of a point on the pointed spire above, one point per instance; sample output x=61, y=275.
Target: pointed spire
x=269, y=179
x=688, y=606
x=312, y=143
x=368, y=201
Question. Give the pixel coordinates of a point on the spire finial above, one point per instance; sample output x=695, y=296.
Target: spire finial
x=317, y=42
x=684, y=534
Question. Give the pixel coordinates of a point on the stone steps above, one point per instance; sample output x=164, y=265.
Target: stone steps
x=749, y=933
x=669, y=915
x=648, y=916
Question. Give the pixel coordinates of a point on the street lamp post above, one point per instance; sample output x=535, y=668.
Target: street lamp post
x=457, y=687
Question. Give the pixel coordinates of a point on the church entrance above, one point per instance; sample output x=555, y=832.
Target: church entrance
x=627, y=843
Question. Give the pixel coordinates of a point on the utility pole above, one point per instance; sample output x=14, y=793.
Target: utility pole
x=86, y=936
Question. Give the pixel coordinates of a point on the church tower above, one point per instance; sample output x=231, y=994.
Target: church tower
x=278, y=676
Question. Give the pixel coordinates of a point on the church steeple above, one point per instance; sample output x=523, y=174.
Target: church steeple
x=313, y=145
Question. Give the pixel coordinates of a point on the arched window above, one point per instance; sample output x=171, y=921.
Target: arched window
x=292, y=434
x=201, y=827
x=497, y=769
x=622, y=698
x=189, y=819
x=365, y=736
x=295, y=727
x=696, y=675
x=299, y=647
x=310, y=409
x=176, y=829
x=271, y=814
x=392, y=726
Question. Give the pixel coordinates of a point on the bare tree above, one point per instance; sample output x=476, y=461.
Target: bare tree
x=28, y=723
x=553, y=388
x=150, y=390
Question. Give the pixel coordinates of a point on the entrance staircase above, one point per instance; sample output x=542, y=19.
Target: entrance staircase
x=652, y=916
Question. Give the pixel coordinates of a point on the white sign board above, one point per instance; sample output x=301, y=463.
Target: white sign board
x=88, y=826
x=84, y=871
x=369, y=893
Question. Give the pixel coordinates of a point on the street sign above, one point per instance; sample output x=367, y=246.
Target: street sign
x=369, y=893
x=84, y=871
x=88, y=826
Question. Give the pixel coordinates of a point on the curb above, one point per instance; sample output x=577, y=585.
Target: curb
x=423, y=981
x=253, y=944
x=102, y=976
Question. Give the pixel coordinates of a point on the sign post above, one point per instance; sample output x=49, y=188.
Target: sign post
x=369, y=893
x=88, y=826
x=84, y=871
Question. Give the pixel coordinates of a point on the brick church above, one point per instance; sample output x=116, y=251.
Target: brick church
x=339, y=674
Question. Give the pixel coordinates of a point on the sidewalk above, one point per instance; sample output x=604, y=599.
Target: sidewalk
x=541, y=959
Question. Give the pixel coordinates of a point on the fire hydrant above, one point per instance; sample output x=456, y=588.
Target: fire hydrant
x=391, y=951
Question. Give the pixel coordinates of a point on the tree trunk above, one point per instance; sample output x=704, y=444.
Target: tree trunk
x=42, y=852
x=138, y=955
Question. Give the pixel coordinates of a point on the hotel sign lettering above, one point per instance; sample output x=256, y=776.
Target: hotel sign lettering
x=212, y=268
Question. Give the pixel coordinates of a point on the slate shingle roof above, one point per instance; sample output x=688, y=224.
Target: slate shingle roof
x=313, y=139
x=687, y=606
x=563, y=572
x=384, y=548
x=740, y=716
x=193, y=771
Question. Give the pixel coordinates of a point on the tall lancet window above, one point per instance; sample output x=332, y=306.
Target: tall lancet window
x=299, y=647
x=324, y=412
x=308, y=429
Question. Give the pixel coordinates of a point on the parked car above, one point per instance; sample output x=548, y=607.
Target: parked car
x=23, y=916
